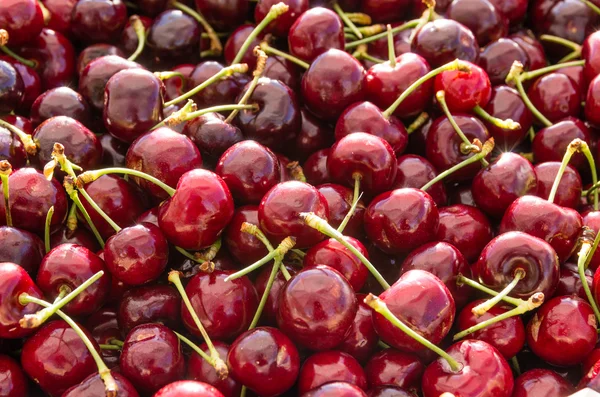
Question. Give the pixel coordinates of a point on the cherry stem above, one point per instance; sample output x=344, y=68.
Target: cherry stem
x=219, y=108
x=585, y=149
x=274, y=13
x=256, y=232
x=225, y=72
x=265, y=296
x=90, y=176
x=347, y=21
x=375, y=37
x=321, y=225
x=277, y=254
x=391, y=49
x=359, y=17
x=217, y=362
x=418, y=123
x=274, y=51
x=4, y=41
x=569, y=57
x=474, y=284
x=178, y=116
x=516, y=367
x=362, y=54
x=507, y=124
x=197, y=349
x=261, y=63
x=348, y=216
x=169, y=75
x=103, y=370
x=593, y=250
x=573, y=147
x=109, y=347
x=140, y=32
x=5, y=171
x=68, y=183
x=72, y=219
x=216, y=47
x=380, y=307
x=40, y=317
x=593, y=6
x=516, y=76
x=99, y=210
x=365, y=30
x=564, y=42
x=486, y=149
x=582, y=256
x=205, y=266
x=525, y=306
x=454, y=65
x=47, y=229
x=30, y=145
x=484, y=307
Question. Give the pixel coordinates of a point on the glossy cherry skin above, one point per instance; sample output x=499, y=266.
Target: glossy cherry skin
x=333, y=81
x=589, y=51
x=314, y=32
x=82, y=147
x=79, y=236
x=485, y=21
x=533, y=48
x=361, y=339
x=550, y=143
x=281, y=26
x=31, y=196
x=424, y=303
x=93, y=78
x=556, y=96
x=129, y=39
x=315, y=167
x=222, y=15
x=310, y=315
x=56, y=357
x=96, y=21
x=445, y=262
x=200, y=370
x=416, y=171
x=269, y=314
x=443, y=144
x=235, y=42
x=394, y=368
x=265, y=360
x=496, y=187
x=464, y=90
x=15, y=281
x=104, y=327
x=93, y=386
x=95, y=51
x=366, y=117
x=368, y=156
x=443, y=40
x=569, y=282
x=569, y=187
x=22, y=248
x=165, y=155
x=70, y=266
x=339, y=200
x=60, y=101
x=484, y=372
x=551, y=336
x=174, y=34
x=330, y=366
x=280, y=208
x=389, y=391
x=498, y=56
x=11, y=88
x=401, y=220
x=244, y=247
x=151, y=357
x=14, y=383
x=23, y=19
x=336, y=389
x=591, y=219
x=32, y=84
x=225, y=308
x=541, y=382
x=212, y=135
x=466, y=228
x=221, y=92
x=150, y=304
x=137, y=254
x=559, y=226
x=592, y=102
x=188, y=388
x=506, y=103
x=12, y=149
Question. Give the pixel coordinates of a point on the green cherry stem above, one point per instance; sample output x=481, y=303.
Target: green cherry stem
x=390, y=44
x=474, y=284
x=418, y=123
x=375, y=37
x=582, y=256
x=30, y=145
x=540, y=72
x=4, y=41
x=516, y=367
x=348, y=216
x=216, y=48
x=261, y=63
x=359, y=17
x=99, y=210
x=274, y=51
x=321, y=225
x=109, y=347
x=484, y=307
x=573, y=147
x=47, y=229
x=69, y=185
x=585, y=149
x=278, y=253
x=515, y=76
x=140, y=32
x=347, y=21
x=178, y=116
x=72, y=219
x=591, y=5
x=186, y=116
x=90, y=176
x=559, y=40
x=380, y=307
x=195, y=348
x=5, y=171
x=274, y=13
x=256, y=232
x=169, y=75
x=593, y=250
x=507, y=124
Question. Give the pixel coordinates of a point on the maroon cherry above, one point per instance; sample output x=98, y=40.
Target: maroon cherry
x=14, y=383
x=485, y=21
x=550, y=143
x=339, y=201
x=96, y=21
x=315, y=167
x=23, y=19
x=389, y=391
x=541, y=382
x=104, y=327
x=234, y=45
x=95, y=51
x=394, y=368
x=361, y=339
x=32, y=84
x=93, y=386
x=315, y=31
x=269, y=314
x=12, y=149
x=569, y=187
x=416, y=171
x=330, y=366
x=533, y=48
x=188, y=388
x=61, y=101
x=200, y=370
x=222, y=92
x=150, y=304
x=336, y=389
x=15, y=281
x=589, y=52
x=281, y=26
x=556, y=96
x=11, y=88
x=570, y=282
x=498, y=56
x=223, y=15
x=22, y=248
x=173, y=35
x=244, y=247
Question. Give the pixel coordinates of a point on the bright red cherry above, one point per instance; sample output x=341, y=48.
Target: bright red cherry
x=396, y=368
x=188, y=388
x=541, y=382
x=14, y=383
x=314, y=32
x=465, y=90
x=150, y=304
x=14, y=282
x=330, y=366
x=200, y=370
x=361, y=339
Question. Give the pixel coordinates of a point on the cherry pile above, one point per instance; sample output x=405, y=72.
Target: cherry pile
x=352, y=198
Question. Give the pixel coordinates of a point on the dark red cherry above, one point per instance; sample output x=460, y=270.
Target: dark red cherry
x=506, y=103
x=104, y=327
x=315, y=167
x=31, y=196
x=96, y=51
x=314, y=32
x=422, y=301
x=361, y=339
x=265, y=360
x=222, y=92
x=79, y=236
x=333, y=81
x=401, y=220
x=484, y=372
x=466, y=228
x=223, y=15
x=137, y=254
x=11, y=88
x=379, y=48
x=556, y=96
x=389, y=391
x=514, y=10
x=339, y=201
x=592, y=102
x=385, y=10
x=314, y=135
x=280, y=208
x=150, y=304
x=310, y=314
x=12, y=149
x=212, y=135
x=394, y=368
x=225, y=308
x=14, y=282
x=174, y=34
x=569, y=282
x=485, y=21
x=559, y=226
x=498, y=56
x=93, y=386
x=200, y=370
x=416, y=171
x=550, y=143
x=97, y=21
x=198, y=212
x=269, y=314
x=81, y=146
x=330, y=366
x=22, y=248
x=569, y=188
x=280, y=26
x=533, y=48
x=61, y=101
x=23, y=19
x=32, y=84
x=165, y=155
x=56, y=357
x=443, y=40
x=541, y=382
x=591, y=219
x=188, y=388
x=177, y=85
x=235, y=42
x=129, y=39
x=244, y=247
x=464, y=90
x=14, y=383
x=336, y=389
x=551, y=332
x=589, y=52
x=151, y=357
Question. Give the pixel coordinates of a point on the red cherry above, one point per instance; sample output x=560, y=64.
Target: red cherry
x=188, y=388
x=315, y=31
x=336, y=389
x=416, y=171
x=506, y=103
x=486, y=21
x=200, y=370
x=281, y=26
x=15, y=281
x=569, y=187
x=464, y=90
x=330, y=366
x=150, y=304
x=22, y=248
x=361, y=339
x=14, y=382
x=93, y=386
x=98, y=20
x=541, y=382
x=394, y=368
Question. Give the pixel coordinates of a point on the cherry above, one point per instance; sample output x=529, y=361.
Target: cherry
x=22, y=248
x=333, y=81
x=12, y=149
x=464, y=90
x=234, y=44
x=570, y=282
x=315, y=31
x=57, y=358
x=336, y=389
x=176, y=85
x=551, y=143
x=173, y=35
x=497, y=59
x=394, y=368
x=188, y=388
x=312, y=316
x=11, y=88
x=223, y=15
x=23, y=19
x=485, y=21
x=361, y=339
x=151, y=357
x=550, y=332
x=315, y=167
x=212, y=135
x=401, y=220
x=104, y=327
x=92, y=386
x=591, y=102
x=30, y=196
x=279, y=68
x=387, y=10
x=200, y=370
x=15, y=282
x=533, y=48
x=589, y=50
x=265, y=360
x=330, y=366
x=244, y=247
x=389, y=391
x=95, y=51
x=282, y=25
x=129, y=36
x=556, y=96
x=165, y=155
x=61, y=101
x=96, y=21
x=14, y=383
x=483, y=371
x=416, y=171
x=269, y=314
x=32, y=84
x=221, y=92
x=150, y=304
x=339, y=201
x=444, y=40
x=541, y=382
x=569, y=188
x=225, y=308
